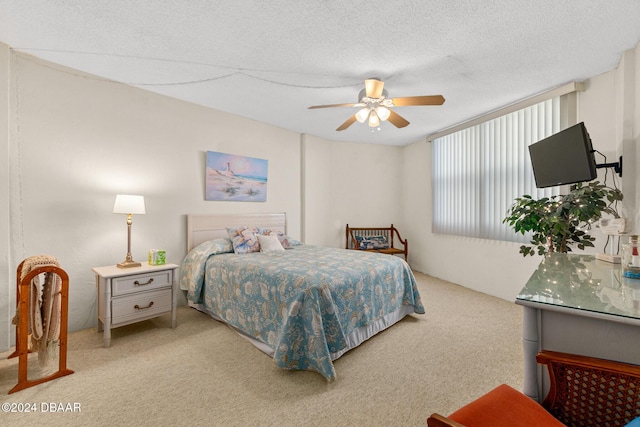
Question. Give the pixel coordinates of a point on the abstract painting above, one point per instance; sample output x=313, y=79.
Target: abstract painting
x=235, y=178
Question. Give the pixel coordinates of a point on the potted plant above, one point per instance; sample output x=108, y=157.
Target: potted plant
x=559, y=222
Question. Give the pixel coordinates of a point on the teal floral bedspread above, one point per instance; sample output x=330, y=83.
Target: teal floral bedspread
x=301, y=302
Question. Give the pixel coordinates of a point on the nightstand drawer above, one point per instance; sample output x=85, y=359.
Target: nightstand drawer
x=141, y=305
x=141, y=282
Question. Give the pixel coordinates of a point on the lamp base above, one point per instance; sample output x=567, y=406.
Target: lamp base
x=128, y=264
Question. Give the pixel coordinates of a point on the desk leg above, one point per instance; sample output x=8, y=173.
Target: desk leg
x=531, y=347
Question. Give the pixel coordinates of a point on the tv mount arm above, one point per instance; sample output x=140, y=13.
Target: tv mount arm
x=617, y=167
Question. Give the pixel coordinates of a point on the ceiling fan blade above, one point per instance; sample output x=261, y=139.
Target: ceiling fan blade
x=373, y=88
x=418, y=100
x=313, y=107
x=348, y=123
x=397, y=120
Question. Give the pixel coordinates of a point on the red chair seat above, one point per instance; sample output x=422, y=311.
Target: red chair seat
x=504, y=407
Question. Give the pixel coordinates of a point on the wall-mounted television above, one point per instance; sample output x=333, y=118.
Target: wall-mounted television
x=565, y=157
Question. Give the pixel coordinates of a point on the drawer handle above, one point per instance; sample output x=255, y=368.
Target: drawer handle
x=136, y=283
x=137, y=307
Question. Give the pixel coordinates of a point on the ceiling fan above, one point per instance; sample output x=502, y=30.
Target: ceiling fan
x=376, y=105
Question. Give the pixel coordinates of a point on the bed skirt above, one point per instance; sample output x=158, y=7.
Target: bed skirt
x=354, y=339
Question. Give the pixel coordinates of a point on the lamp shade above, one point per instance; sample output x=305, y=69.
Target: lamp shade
x=126, y=204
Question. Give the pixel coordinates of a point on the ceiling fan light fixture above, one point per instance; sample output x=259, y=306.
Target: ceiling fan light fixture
x=374, y=120
x=382, y=112
x=362, y=115
x=375, y=106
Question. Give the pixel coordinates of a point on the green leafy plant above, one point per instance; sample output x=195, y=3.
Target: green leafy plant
x=559, y=222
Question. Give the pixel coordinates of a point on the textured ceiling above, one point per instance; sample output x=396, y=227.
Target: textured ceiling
x=270, y=60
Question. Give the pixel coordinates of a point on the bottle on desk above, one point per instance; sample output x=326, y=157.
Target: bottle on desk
x=631, y=260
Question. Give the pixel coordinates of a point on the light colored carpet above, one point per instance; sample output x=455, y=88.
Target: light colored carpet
x=202, y=373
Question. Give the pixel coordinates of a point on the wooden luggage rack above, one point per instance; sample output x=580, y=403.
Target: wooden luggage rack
x=22, y=327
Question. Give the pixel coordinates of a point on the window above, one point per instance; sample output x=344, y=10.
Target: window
x=478, y=171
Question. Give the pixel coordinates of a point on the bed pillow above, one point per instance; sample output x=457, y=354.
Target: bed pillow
x=244, y=239
x=285, y=240
x=192, y=269
x=269, y=243
x=372, y=242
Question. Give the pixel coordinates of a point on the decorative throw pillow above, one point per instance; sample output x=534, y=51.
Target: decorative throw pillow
x=372, y=242
x=285, y=240
x=269, y=243
x=244, y=239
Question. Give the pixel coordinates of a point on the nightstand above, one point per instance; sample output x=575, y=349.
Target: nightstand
x=130, y=295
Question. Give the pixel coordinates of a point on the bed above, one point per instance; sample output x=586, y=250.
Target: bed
x=305, y=305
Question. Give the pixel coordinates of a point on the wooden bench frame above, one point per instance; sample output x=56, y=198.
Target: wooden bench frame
x=388, y=232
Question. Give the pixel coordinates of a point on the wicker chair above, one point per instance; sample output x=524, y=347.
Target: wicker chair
x=584, y=391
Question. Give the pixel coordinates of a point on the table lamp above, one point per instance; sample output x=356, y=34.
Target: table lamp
x=126, y=204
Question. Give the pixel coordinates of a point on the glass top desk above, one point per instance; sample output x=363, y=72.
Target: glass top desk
x=578, y=304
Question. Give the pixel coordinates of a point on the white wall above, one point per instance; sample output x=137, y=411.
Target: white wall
x=5, y=278
x=632, y=137
x=489, y=266
x=349, y=183
x=609, y=109
x=627, y=88
x=75, y=141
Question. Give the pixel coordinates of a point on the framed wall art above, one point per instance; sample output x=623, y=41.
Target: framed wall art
x=235, y=178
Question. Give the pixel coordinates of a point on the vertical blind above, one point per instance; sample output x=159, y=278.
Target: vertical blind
x=480, y=170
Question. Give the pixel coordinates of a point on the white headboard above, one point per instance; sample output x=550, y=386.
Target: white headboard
x=201, y=228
